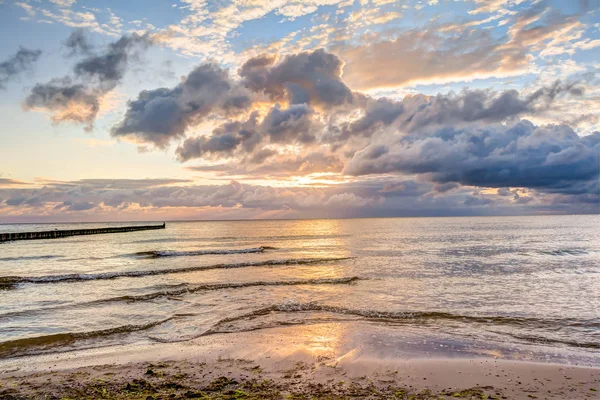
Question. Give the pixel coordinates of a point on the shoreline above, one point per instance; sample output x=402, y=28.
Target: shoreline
x=289, y=362
x=289, y=379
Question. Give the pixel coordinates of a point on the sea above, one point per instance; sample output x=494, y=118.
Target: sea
x=524, y=288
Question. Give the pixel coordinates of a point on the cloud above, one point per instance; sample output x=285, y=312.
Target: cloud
x=429, y=55
x=65, y=100
x=257, y=122
x=77, y=99
x=280, y=126
x=63, y=3
x=81, y=206
x=27, y=7
x=232, y=195
x=490, y=6
x=116, y=183
x=223, y=141
x=78, y=43
x=549, y=158
x=440, y=53
x=11, y=182
x=82, y=19
x=277, y=167
x=289, y=125
x=445, y=187
x=305, y=81
x=21, y=61
x=421, y=111
x=107, y=69
x=481, y=105
x=372, y=197
x=308, y=77
x=161, y=115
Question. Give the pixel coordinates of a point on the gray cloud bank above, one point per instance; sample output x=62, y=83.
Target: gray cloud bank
x=551, y=158
x=368, y=198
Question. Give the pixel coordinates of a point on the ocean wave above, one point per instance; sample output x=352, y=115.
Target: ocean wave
x=243, y=239
x=223, y=286
x=54, y=342
x=188, y=289
x=565, y=252
x=35, y=344
x=9, y=282
x=545, y=340
x=174, y=253
x=281, y=237
x=26, y=258
x=408, y=316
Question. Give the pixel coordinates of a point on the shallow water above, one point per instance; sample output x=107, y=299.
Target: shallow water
x=526, y=286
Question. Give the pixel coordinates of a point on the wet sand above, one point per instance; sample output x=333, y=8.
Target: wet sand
x=293, y=362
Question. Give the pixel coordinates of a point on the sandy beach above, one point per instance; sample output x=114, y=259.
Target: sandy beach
x=281, y=363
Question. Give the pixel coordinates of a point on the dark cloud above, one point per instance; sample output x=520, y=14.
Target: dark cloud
x=445, y=187
x=477, y=201
x=280, y=126
x=262, y=155
x=420, y=111
x=479, y=105
x=289, y=125
x=16, y=64
x=550, y=158
x=82, y=206
x=308, y=77
x=224, y=145
x=378, y=113
x=309, y=81
x=66, y=100
x=223, y=141
x=78, y=43
x=256, y=74
x=108, y=68
x=77, y=99
x=161, y=115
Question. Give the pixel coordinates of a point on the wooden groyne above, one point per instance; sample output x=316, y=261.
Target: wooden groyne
x=5, y=237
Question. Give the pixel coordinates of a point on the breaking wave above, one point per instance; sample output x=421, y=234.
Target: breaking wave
x=565, y=252
x=236, y=238
x=229, y=325
x=8, y=282
x=174, y=253
x=190, y=289
x=409, y=316
x=24, y=346
x=26, y=258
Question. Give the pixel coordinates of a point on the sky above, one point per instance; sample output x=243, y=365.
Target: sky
x=248, y=109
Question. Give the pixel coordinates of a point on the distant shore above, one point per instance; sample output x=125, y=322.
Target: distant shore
x=271, y=364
